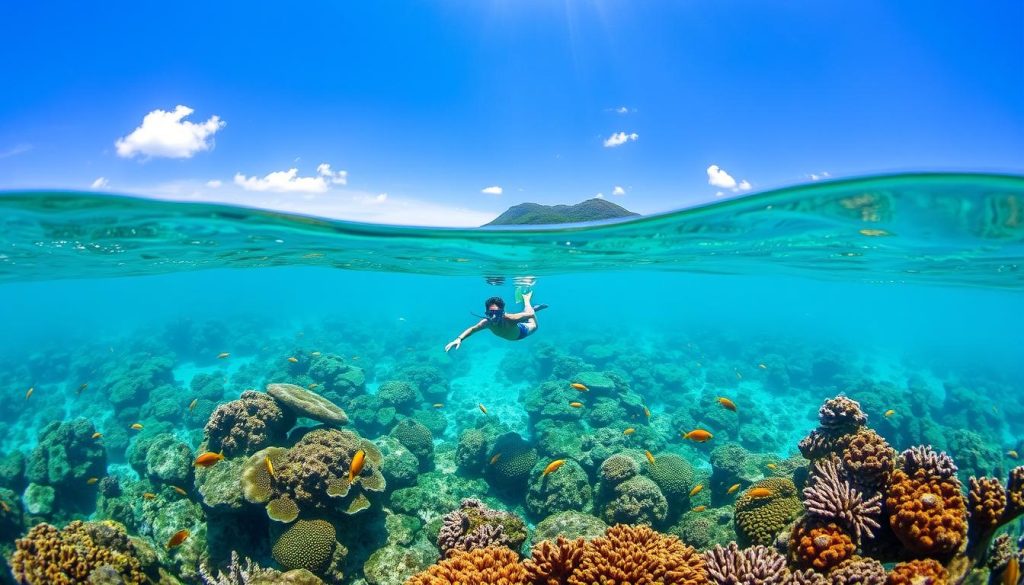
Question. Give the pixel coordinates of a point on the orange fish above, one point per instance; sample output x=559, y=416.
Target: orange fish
x=772, y=466
x=759, y=492
x=149, y=496
x=650, y=458
x=575, y=404
x=699, y=508
x=293, y=360
x=269, y=465
x=732, y=489
x=696, y=489
x=438, y=405
x=92, y=481
x=647, y=412
x=179, y=491
x=1012, y=454
x=30, y=392
x=580, y=387
x=553, y=466
x=728, y=404
x=1011, y=574
x=178, y=538
x=698, y=435
x=97, y=436
x=629, y=431
x=357, y=464
x=192, y=405
x=483, y=408
x=495, y=458
x=137, y=427
x=208, y=459
x=223, y=355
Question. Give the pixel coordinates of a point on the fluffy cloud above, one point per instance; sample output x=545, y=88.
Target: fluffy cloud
x=599, y=196
x=618, y=190
x=619, y=138
x=717, y=177
x=494, y=190
x=100, y=183
x=336, y=178
x=169, y=134
x=819, y=176
x=214, y=184
x=290, y=182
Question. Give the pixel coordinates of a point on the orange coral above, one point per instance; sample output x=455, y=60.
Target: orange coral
x=481, y=566
x=927, y=513
x=986, y=501
x=923, y=572
x=637, y=555
x=552, y=562
x=821, y=546
x=47, y=556
x=1015, y=493
x=869, y=458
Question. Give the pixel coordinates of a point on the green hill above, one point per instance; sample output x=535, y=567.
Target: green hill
x=535, y=213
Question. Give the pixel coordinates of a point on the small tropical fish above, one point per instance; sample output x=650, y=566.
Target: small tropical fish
x=576, y=404
x=650, y=458
x=696, y=489
x=179, y=491
x=5, y=507
x=762, y=366
x=629, y=431
x=312, y=385
x=869, y=232
x=759, y=492
x=223, y=355
x=495, y=458
x=293, y=360
x=269, y=465
x=97, y=436
x=149, y=496
x=647, y=412
x=1012, y=454
x=772, y=466
x=728, y=404
x=315, y=354
x=1011, y=574
x=553, y=466
x=208, y=459
x=699, y=508
x=177, y=539
x=355, y=358
x=30, y=392
x=192, y=405
x=357, y=464
x=698, y=435
x=889, y=413
x=92, y=481
x=580, y=387
x=732, y=489
x=83, y=386
x=137, y=427
x=483, y=408
x=438, y=405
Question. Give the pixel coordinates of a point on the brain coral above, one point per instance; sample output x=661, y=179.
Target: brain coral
x=869, y=459
x=674, y=475
x=417, y=439
x=307, y=544
x=471, y=452
x=819, y=545
x=567, y=488
x=630, y=555
x=920, y=572
x=398, y=394
x=47, y=556
x=617, y=469
x=636, y=500
x=759, y=520
x=513, y=466
x=246, y=425
x=494, y=565
x=927, y=513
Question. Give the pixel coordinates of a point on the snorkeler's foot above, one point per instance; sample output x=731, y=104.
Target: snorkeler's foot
x=527, y=296
x=539, y=307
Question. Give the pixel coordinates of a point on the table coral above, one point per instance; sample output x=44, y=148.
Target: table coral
x=308, y=404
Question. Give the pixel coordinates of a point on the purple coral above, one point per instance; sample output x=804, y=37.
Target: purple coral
x=757, y=565
x=858, y=571
x=246, y=425
x=935, y=464
x=808, y=577
x=816, y=445
x=474, y=525
x=841, y=414
x=830, y=496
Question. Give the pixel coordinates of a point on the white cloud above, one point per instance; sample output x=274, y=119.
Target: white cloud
x=619, y=138
x=214, y=184
x=622, y=110
x=100, y=183
x=283, y=182
x=599, y=196
x=494, y=190
x=336, y=178
x=819, y=176
x=618, y=190
x=717, y=177
x=381, y=197
x=169, y=135
x=15, y=150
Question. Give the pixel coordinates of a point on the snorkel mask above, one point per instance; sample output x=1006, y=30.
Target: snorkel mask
x=494, y=315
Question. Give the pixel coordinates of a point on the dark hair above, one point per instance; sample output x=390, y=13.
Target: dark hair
x=495, y=301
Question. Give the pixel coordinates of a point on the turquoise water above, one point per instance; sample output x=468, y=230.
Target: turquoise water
x=903, y=292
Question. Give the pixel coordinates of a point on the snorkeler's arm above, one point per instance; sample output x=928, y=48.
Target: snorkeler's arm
x=517, y=317
x=457, y=342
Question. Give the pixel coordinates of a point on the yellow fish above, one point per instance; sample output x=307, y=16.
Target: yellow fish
x=553, y=466
x=137, y=427
x=732, y=489
x=438, y=405
x=580, y=387
x=1012, y=454
x=483, y=408
x=889, y=413
x=270, y=466
x=1011, y=574
x=870, y=232
x=725, y=402
x=495, y=458
x=179, y=491
x=772, y=466
x=92, y=481
x=576, y=404
x=192, y=405
x=149, y=496
x=30, y=392
x=223, y=355
x=5, y=507
x=629, y=431
x=97, y=436
x=696, y=489
x=647, y=412
x=315, y=354
x=357, y=464
x=699, y=508
x=759, y=492
x=698, y=435
x=293, y=360
x=650, y=458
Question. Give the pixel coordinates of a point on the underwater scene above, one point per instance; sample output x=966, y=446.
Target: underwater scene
x=818, y=385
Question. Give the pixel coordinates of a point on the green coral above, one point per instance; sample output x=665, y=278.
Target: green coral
x=674, y=476
x=636, y=501
x=417, y=438
x=471, y=452
x=398, y=394
x=393, y=564
x=566, y=488
x=515, y=460
x=617, y=469
x=307, y=544
x=759, y=520
x=66, y=455
x=571, y=525
x=399, y=465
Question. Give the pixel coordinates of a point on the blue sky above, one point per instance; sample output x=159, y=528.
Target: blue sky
x=426, y=105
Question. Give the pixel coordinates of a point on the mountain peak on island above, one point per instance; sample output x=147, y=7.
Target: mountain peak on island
x=536, y=214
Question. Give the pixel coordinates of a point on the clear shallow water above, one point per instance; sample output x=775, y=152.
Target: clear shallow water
x=926, y=320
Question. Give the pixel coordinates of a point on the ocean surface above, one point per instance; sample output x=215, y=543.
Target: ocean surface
x=905, y=293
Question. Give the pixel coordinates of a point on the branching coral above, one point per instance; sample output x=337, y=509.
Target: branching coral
x=636, y=555
x=482, y=566
x=553, y=562
x=47, y=556
x=238, y=573
x=933, y=463
x=757, y=565
x=828, y=496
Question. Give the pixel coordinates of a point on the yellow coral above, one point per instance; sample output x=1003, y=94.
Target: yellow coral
x=307, y=544
x=481, y=566
x=759, y=520
x=283, y=509
x=47, y=556
x=627, y=555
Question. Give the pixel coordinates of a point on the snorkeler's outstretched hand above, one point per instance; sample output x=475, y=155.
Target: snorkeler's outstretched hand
x=456, y=344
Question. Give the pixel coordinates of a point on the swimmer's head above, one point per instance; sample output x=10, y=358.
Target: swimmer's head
x=494, y=308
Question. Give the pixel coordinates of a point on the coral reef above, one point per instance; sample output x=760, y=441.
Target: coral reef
x=927, y=511
x=568, y=488
x=635, y=501
x=553, y=562
x=756, y=565
x=481, y=566
x=307, y=544
x=48, y=556
x=636, y=554
x=66, y=455
x=242, y=427
x=474, y=525
x=417, y=438
x=820, y=546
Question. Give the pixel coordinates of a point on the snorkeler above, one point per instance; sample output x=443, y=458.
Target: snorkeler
x=511, y=326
